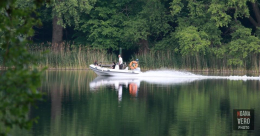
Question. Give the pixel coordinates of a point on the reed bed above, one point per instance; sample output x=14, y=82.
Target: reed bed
x=68, y=56
x=199, y=62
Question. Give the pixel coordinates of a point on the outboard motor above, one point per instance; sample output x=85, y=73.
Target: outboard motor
x=137, y=69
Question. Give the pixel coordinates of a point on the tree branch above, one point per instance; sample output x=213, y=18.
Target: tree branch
x=253, y=21
x=256, y=11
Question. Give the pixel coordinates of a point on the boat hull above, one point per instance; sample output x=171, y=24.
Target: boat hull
x=112, y=72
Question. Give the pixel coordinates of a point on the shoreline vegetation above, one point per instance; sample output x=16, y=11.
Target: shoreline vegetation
x=67, y=56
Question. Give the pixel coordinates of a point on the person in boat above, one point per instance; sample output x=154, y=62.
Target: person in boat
x=120, y=62
x=95, y=63
x=114, y=65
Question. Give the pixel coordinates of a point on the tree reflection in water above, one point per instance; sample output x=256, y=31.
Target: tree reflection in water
x=90, y=105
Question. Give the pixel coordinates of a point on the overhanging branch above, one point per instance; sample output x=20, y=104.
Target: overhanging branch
x=253, y=21
x=256, y=11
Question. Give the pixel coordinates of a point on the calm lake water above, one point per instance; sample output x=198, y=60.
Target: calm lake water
x=158, y=103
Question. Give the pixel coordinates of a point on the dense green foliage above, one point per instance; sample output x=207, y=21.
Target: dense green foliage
x=213, y=32
x=70, y=11
x=20, y=78
x=217, y=29
x=200, y=34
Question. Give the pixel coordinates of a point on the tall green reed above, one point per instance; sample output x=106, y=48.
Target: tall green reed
x=198, y=62
x=69, y=56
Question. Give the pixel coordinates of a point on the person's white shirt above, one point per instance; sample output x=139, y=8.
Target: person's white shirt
x=120, y=60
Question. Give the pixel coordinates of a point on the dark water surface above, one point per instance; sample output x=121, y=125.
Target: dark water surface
x=78, y=103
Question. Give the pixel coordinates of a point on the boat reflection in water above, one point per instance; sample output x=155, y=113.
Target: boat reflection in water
x=116, y=82
x=133, y=83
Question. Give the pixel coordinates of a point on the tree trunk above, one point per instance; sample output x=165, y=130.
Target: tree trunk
x=144, y=46
x=256, y=21
x=57, y=31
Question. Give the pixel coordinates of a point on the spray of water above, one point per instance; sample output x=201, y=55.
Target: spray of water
x=180, y=74
x=161, y=77
x=168, y=73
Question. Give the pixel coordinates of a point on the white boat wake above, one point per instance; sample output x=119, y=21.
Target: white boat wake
x=160, y=77
x=179, y=74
